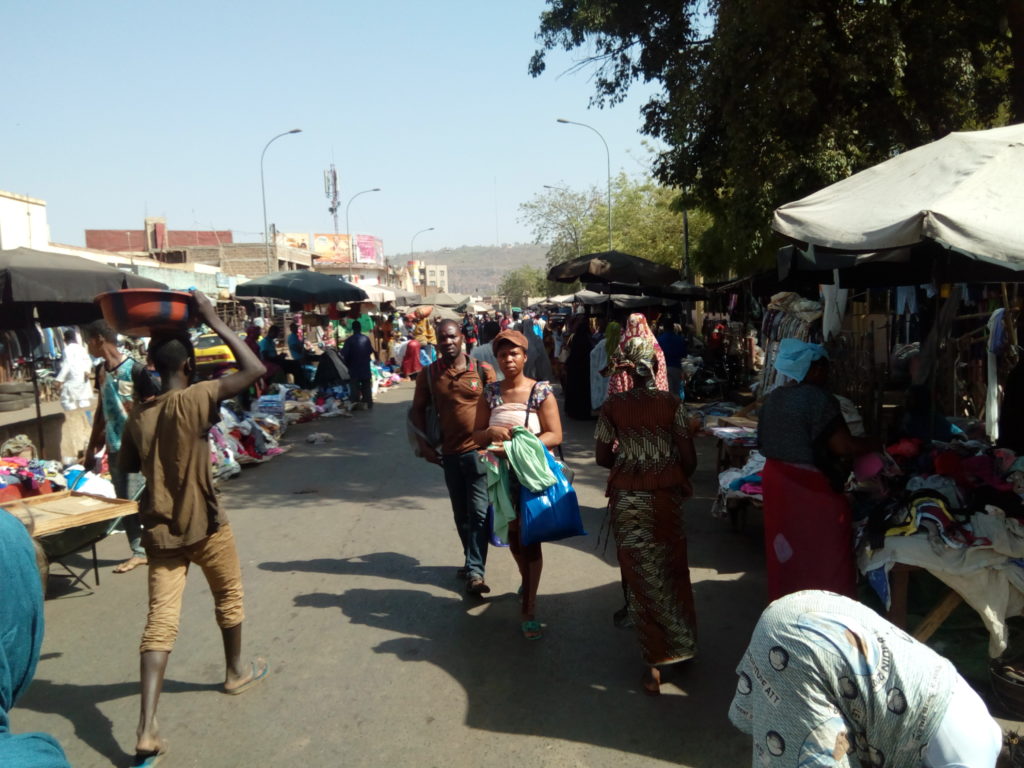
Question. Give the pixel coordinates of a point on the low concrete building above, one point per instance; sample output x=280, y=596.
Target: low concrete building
x=23, y=222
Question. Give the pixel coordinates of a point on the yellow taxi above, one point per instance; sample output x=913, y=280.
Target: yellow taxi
x=212, y=354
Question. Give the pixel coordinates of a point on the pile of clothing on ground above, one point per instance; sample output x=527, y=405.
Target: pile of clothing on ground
x=243, y=438
x=955, y=509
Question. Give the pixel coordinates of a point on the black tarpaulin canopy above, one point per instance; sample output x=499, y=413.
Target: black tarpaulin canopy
x=613, y=267
x=303, y=286
x=56, y=288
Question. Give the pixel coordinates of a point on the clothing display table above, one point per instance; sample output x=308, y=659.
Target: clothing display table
x=737, y=437
x=988, y=575
x=899, y=579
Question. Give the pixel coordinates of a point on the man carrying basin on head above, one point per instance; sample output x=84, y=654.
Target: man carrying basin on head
x=166, y=438
x=454, y=383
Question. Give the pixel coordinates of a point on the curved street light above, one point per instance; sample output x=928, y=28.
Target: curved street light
x=351, y=251
x=263, y=192
x=412, y=254
x=608, y=157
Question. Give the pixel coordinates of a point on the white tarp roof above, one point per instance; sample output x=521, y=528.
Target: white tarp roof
x=378, y=294
x=965, y=191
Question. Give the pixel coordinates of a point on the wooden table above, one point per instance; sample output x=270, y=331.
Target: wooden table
x=898, y=581
x=53, y=513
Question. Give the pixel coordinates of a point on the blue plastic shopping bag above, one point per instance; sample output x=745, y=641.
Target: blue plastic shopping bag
x=551, y=514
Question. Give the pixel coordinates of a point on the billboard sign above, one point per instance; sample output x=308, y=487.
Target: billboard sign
x=293, y=240
x=332, y=248
x=369, y=250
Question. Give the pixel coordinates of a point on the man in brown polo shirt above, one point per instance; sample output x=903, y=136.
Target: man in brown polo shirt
x=458, y=382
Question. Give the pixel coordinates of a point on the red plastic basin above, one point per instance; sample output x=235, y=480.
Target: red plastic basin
x=140, y=311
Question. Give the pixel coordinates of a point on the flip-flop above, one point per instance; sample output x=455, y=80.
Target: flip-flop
x=258, y=675
x=477, y=587
x=531, y=630
x=149, y=759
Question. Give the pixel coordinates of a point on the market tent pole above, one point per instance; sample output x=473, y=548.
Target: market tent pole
x=39, y=409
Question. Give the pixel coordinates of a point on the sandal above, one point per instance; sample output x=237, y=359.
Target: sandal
x=531, y=630
x=477, y=587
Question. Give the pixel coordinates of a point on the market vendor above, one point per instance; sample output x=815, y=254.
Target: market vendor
x=807, y=519
x=826, y=681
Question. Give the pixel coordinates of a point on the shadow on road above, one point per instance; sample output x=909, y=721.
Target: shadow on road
x=573, y=685
x=80, y=705
x=388, y=565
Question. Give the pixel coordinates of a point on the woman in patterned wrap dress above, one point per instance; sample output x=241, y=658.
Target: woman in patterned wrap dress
x=642, y=436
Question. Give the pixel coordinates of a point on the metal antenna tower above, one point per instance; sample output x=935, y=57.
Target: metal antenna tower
x=331, y=190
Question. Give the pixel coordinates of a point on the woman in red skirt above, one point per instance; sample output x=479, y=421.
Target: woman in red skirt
x=808, y=528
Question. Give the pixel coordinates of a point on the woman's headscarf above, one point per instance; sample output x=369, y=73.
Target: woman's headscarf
x=21, y=636
x=795, y=357
x=637, y=327
x=636, y=358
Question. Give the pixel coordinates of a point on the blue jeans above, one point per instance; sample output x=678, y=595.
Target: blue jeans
x=467, y=488
x=126, y=486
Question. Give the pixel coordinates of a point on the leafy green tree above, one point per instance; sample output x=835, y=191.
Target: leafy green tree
x=765, y=101
x=559, y=218
x=518, y=285
x=647, y=221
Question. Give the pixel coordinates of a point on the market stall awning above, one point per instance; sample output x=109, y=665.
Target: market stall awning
x=378, y=294
x=445, y=299
x=613, y=267
x=620, y=300
x=962, y=192
x=680, y=290
x=405, y=298
x=303, y=286
x=57, y=288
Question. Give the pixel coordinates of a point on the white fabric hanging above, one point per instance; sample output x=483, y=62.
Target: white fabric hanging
x=835, y=307
x=992, y=389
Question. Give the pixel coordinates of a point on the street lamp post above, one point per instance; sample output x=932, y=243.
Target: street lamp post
x=412, y=254
x=263, y=192
x=351, y=253
x=608, y=157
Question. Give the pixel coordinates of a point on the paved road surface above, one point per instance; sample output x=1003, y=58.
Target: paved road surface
x=378, y=659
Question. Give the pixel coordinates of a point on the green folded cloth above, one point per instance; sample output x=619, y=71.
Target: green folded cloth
x=528, y=457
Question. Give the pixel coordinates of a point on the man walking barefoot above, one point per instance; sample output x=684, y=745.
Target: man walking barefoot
x=166, y=438
x=455, y=383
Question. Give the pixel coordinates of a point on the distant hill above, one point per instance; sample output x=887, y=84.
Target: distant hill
x=477, y=269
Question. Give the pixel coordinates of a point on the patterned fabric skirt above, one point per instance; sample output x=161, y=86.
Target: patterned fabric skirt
x=651, y=543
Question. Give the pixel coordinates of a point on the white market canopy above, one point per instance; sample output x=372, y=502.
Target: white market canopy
x=965, y=192
x=378, y=294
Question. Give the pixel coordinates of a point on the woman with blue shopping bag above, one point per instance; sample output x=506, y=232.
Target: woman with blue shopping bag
x=517, y=420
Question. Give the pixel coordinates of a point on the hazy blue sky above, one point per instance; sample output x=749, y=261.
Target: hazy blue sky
x=116, y=110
